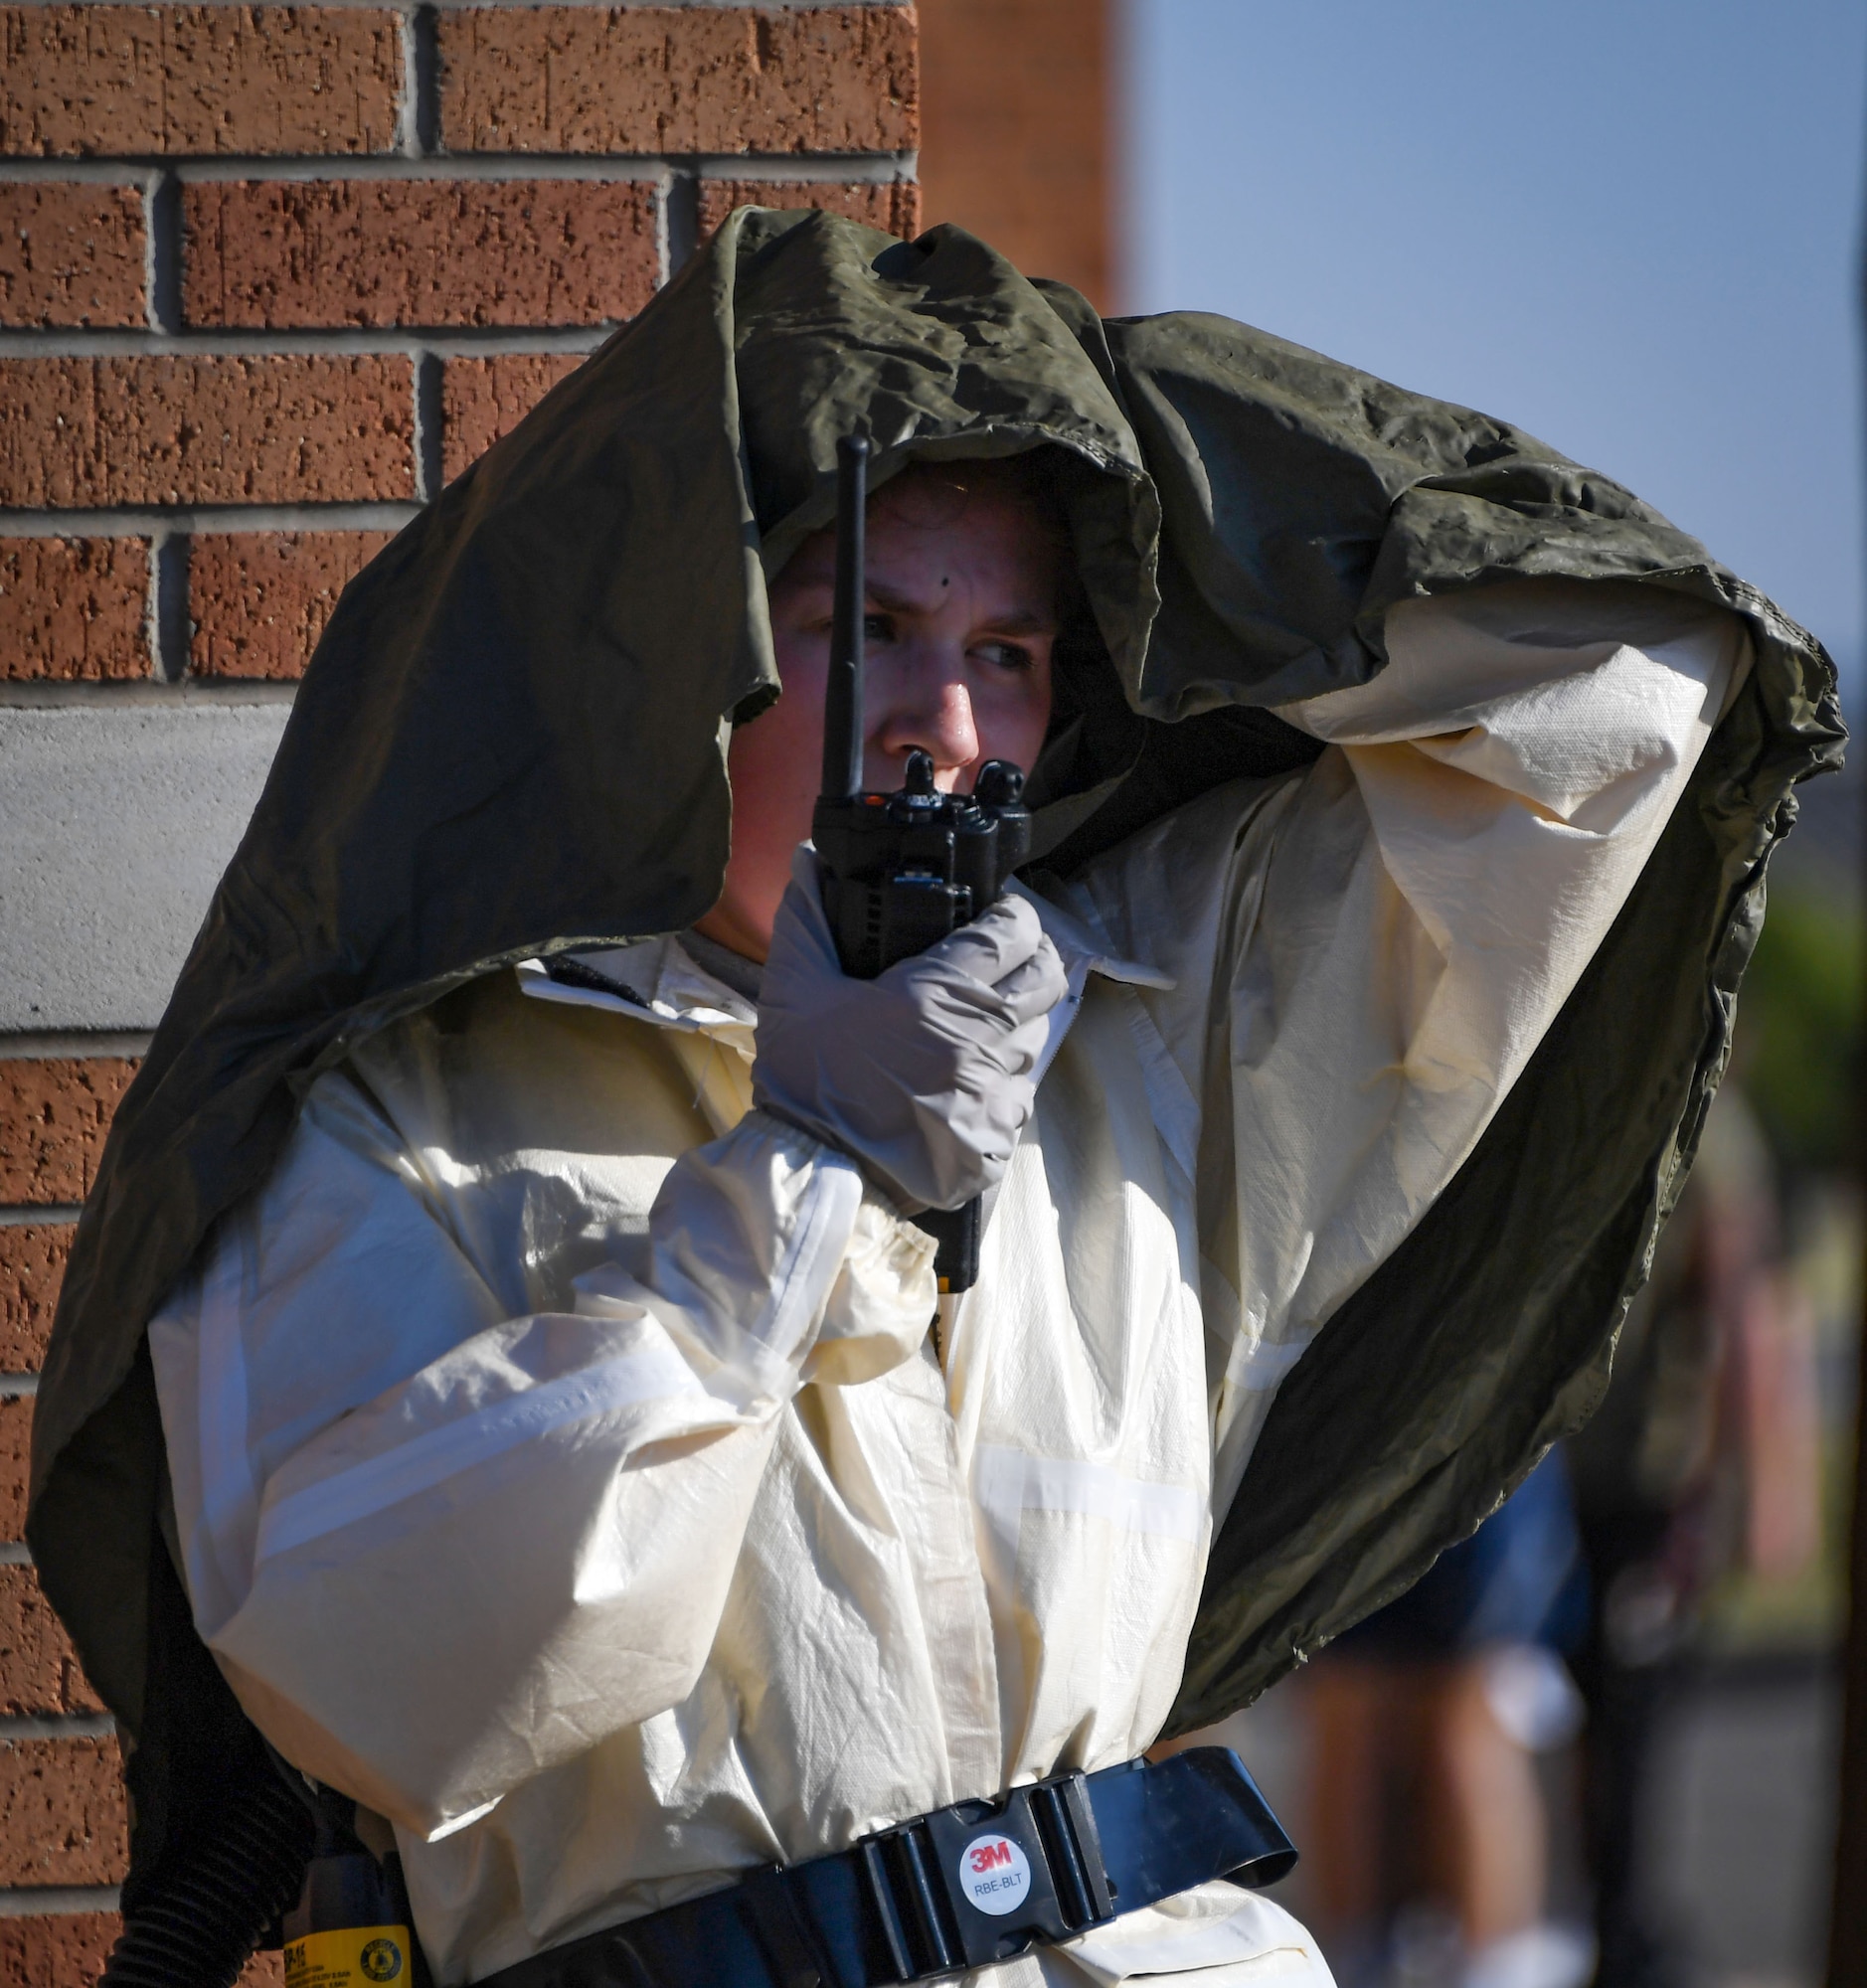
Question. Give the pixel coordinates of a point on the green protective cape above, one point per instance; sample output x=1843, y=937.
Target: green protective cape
x=512, y=738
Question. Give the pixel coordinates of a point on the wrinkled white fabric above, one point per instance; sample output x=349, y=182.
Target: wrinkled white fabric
x=925, y=1075
x=552, y=1433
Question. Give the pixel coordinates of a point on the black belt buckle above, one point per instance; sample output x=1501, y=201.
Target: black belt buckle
x=984, y=1881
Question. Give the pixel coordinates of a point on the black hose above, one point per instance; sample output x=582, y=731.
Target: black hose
x=198, y=1922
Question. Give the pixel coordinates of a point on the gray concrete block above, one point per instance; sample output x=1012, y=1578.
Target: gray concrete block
x=114, y=827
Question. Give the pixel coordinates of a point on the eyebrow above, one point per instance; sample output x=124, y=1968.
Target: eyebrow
x=1024, y=624
x=1023, y=621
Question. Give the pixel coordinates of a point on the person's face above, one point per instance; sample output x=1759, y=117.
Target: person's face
x=961, y=618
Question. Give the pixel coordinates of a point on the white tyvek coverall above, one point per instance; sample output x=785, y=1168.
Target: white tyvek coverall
x=561, y=1462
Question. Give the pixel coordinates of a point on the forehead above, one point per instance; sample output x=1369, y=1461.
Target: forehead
x=923, y=523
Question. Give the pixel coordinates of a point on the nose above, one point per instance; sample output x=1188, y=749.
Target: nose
x=937, y=716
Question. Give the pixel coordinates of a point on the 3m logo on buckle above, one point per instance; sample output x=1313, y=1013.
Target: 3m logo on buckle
x=983, y=1881
x=994, y=1874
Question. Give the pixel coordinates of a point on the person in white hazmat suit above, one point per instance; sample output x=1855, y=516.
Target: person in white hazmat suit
x=768, y=1553
x=572, y=1459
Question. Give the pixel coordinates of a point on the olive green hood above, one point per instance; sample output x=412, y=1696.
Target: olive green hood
x=512, y=738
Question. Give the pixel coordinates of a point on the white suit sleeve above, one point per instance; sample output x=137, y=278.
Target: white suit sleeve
x=437, y=1550
x=1397, y=929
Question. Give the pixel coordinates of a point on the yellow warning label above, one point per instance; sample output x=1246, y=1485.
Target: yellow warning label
x=356, y=1957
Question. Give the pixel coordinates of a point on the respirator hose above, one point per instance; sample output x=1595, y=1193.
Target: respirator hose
x=197, y=1924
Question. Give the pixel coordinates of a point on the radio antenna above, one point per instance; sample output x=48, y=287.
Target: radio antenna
x=842, y=696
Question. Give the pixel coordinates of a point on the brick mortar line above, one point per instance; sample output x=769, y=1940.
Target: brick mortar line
x=29, y=1215
x=677, y=223
x=664, y=255
x=120, y=171
x=408, y=84
x=15, y=1552
x=165, y=257
x=32, y=1901
x=60, y=1726
x=18, y=1387
x=787, y=168
x=798, y=168
x=429, y=436
x=154, y=619
x=214, y=692
x=154, y=276
x=18, y=1045
x=141, y=520
x=168, y=628
x=459, y=340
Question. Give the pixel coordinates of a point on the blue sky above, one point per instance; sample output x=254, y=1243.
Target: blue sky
x=1632, y=229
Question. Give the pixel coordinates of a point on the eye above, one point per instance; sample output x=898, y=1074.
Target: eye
x=878, y=628
x=1004, y=655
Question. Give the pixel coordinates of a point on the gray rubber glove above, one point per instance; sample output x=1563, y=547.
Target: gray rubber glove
x=922, y=1076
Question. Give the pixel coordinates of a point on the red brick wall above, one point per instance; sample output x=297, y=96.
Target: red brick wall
x=267, y=277
x=1018, y=136
x=62, y=1826
x=469, y=193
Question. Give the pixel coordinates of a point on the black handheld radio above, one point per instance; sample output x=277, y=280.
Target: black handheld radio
x=902, y=870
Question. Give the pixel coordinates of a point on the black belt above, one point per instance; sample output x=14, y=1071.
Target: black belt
x=961, y=1888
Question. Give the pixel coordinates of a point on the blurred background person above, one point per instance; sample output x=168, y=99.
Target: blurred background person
x=1702, y=1460
x=1428, y=1834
